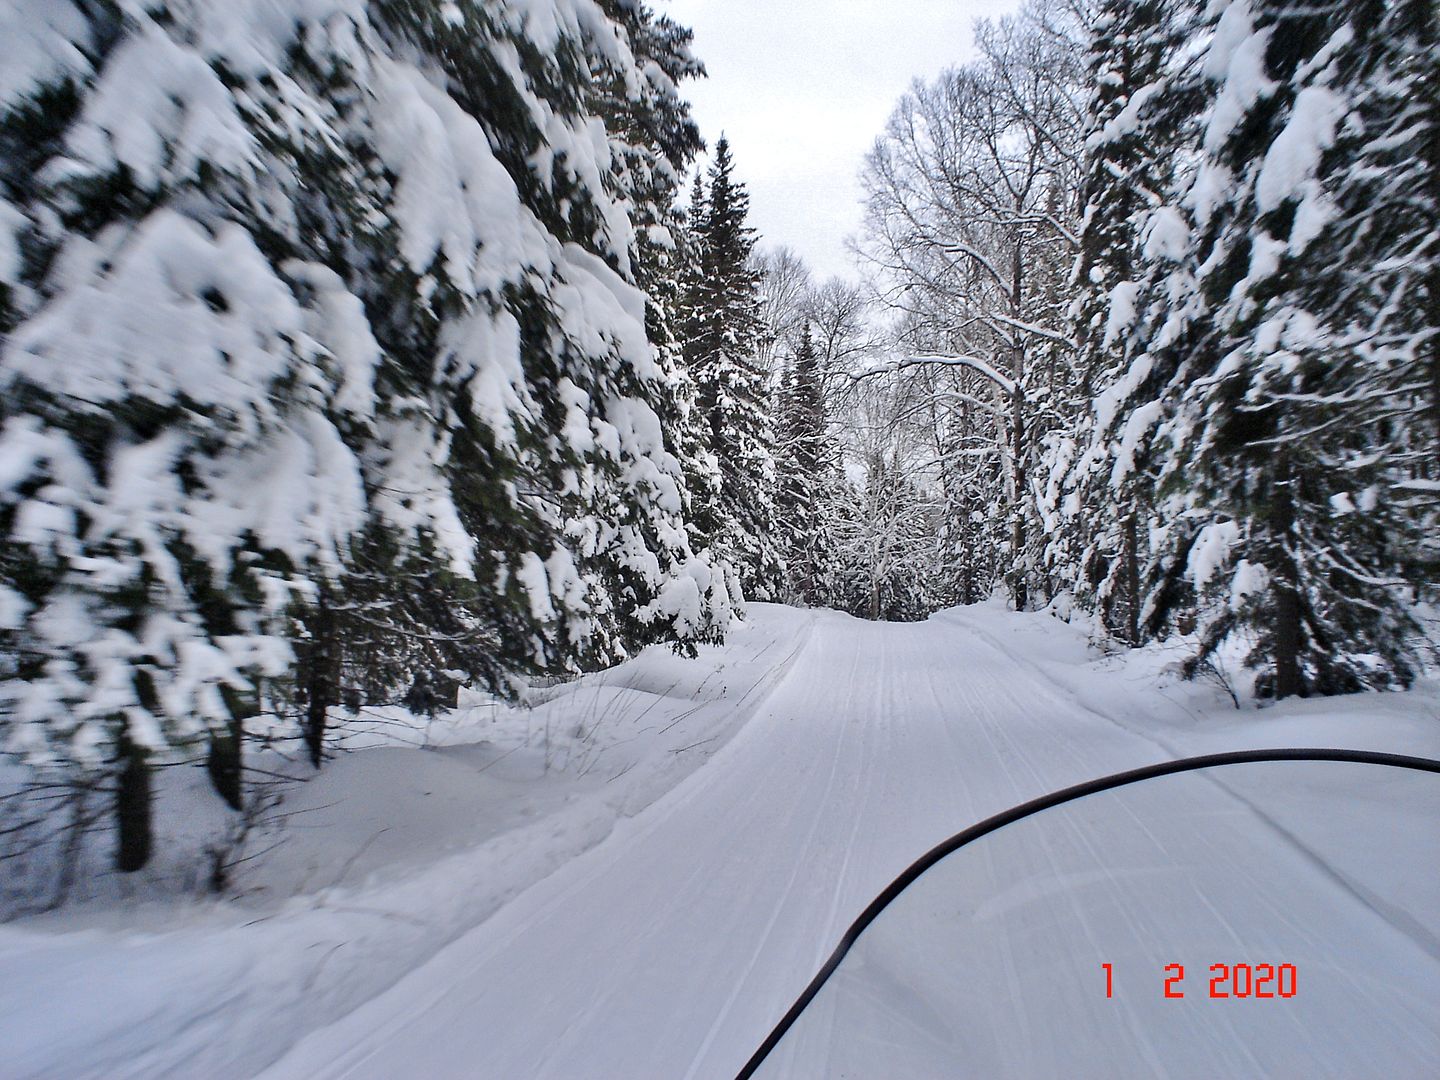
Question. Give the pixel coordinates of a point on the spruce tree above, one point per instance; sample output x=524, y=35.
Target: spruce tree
x=806, y=463
x=1133, y=139
x=721, y=350
x=704, y=475
x=1296, y=437
x=328, y=376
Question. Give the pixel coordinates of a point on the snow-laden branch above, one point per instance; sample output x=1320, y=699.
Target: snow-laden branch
x=970, y=363
x=957, y=247
x=1036, y=329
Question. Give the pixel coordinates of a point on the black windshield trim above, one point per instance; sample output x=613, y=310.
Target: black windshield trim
x=1034, y=806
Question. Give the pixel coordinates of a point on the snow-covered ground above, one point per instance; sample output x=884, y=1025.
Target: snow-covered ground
x=566, y=892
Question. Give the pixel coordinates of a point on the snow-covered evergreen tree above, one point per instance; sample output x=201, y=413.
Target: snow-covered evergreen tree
x=703, y=474
x=1301, y=434
x=1141, y=102
x=326, y=371
x=722, y=352
x=807, y=465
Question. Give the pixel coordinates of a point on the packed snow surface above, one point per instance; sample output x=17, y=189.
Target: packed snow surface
x=640, y=883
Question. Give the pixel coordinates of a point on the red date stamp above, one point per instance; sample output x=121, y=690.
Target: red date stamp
x=1226, y=981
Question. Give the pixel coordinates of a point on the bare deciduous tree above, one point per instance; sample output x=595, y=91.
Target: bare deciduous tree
x=971, y=227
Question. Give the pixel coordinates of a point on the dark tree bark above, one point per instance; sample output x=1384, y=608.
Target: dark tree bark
x=224, y=762
x=1288, y=641
x=1130, y=554
x=1019, y=586
x=320, y=676
x=132, y=806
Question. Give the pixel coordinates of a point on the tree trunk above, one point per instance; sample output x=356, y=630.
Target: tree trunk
x=132, y=806
x=320, y=677
x=1288, y=638
x=223, y=762
x=1131, y=570
x=1019, y=587
x=1288, y=680
x=1430, y=91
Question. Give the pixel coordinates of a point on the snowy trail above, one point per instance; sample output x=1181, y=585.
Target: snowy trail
x=669, y=950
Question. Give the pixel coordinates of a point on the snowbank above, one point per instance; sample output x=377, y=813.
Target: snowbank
x=362, y=873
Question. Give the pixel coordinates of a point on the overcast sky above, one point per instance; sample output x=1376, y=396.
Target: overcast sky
x=803, y=87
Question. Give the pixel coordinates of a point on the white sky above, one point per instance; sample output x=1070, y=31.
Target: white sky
x=803, y=87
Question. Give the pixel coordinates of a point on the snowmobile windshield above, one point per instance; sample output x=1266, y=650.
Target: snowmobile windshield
x=1276, y=918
